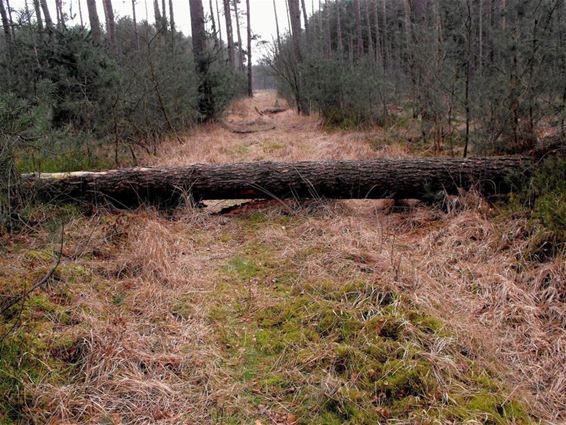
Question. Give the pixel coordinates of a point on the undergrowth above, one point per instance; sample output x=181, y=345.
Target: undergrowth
x=542, y=199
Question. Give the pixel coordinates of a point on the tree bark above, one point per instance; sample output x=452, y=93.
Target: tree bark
x=229, y=32
x=250, y=67
x=369, y=31
x=110, y=22
x=157, y=14
x=419, y=178
x=172, y=23
x=277, y=27
x=134, y=17
x=305, y=18
x=339, y=41
x=37, y=9
x=219, y=24
x=93, y=19
x=60, y=14
x=358, y=24
x=46, y=14
x=5, y=24
x=213, y=23
x=239, y=34
x=206, y=105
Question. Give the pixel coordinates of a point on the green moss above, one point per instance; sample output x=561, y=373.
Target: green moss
x=183, y=309
x=338, y=352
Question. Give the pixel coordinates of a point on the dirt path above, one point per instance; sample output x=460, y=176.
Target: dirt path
x=324, y=312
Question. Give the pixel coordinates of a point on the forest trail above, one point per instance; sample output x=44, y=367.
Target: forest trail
x=260, y=316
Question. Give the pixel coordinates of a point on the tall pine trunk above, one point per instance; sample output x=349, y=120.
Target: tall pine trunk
x=277, y=27
x=206, y=102
x=37, y=9
x=219, y=23
x=229, y=32
x=157, y=14
x=6, y=24
x=213, y=22
x=46, y=14
x=358, y=26
x=250, y=67
x=369, y=32
x=134, y=17
x=93, y=19
x=239, y=33
x=110, y=23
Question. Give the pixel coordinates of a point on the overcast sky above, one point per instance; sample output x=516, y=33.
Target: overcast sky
x=263, y=18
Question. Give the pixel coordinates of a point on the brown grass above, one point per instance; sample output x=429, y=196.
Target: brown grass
x=148, y=351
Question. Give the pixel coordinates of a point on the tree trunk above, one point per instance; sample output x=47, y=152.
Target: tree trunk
x=81, y=14
x=213, y=22
x=134, y=17
x=93, y=19
x=295, y=17
x=172, y=19
x=239, y=34
x=37, y=9
x=359, y=34
x=277, y=27
x=157, y=14
x=229, y=32
x=369, y=32
x=377, y=37
x=164, y=14
x=110, y=23
x=374, y=179
x=219, y=23
x=60, y=14
x=46, y=14
x=340, y=43
x=305, y=17
x=6, y=24
x=206, y=102
x=250, y=67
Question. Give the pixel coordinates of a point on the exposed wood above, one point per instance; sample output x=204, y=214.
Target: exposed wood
x=378, y=179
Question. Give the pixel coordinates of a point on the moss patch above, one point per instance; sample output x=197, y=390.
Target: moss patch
x=344, y=352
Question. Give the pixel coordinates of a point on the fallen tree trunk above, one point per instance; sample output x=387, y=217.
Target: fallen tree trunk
x=383, y=178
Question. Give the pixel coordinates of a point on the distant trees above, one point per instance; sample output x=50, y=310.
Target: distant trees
x=488, y=74
x=79, y=98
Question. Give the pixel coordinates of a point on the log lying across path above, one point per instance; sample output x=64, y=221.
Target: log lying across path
x=381, y=178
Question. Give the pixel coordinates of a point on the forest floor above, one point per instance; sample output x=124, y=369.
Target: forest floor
x=323, y=312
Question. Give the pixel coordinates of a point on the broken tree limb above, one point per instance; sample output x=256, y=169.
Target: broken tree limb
x=377, y=179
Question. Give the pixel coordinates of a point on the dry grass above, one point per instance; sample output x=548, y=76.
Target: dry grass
x=294, y=138
x=149, y=353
